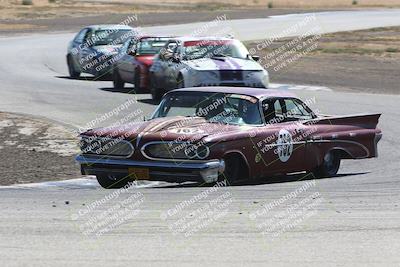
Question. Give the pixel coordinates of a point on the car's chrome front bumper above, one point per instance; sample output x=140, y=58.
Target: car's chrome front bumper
x=171, y=171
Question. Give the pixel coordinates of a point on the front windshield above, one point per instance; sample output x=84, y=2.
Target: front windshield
x=213, y=107
x=214, y=48
x=110, y=37
x=150, y=46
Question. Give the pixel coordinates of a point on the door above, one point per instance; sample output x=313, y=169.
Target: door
x=76, y=47
x=286, y=138
x=87, y=57
x=127, y=63
x=165, y=66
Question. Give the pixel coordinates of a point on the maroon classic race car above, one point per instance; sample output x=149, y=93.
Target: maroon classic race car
x=212, y=133
x=133, y=66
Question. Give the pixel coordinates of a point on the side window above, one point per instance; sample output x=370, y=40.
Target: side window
x=296, y=110
x=80, y=36
x=278, y=108
x=273, y=111
x=131, y=46
x=167, y=51
x=177, y=51
x=306, y=111
x=88, y=36
x=292, y=110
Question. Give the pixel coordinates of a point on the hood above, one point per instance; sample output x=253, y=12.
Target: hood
x=169, y=129
x=106, y=49
x=146, y=60
x=223, y=63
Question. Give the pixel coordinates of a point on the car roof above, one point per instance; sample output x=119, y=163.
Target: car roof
x=201, y=38
x=154, y=36
x=109, y=27
x=249, y=91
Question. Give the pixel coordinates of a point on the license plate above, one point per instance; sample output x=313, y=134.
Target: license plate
x=139, y=173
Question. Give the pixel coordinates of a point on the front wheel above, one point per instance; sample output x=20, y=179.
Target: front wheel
x=73, y=73
x=235, y=170
x=156, y=93
x=137, y=81
x=117, y=80
x=109, y=181
x=330, y=165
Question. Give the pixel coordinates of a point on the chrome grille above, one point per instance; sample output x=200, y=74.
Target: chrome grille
x=106, y=146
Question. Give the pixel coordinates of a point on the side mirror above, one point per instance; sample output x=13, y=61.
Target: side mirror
x=167, y=55
x=132, y=52
x=176, y=59
x=255, y=58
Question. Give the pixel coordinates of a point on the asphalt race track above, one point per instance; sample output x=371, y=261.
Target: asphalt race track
x=356, y=223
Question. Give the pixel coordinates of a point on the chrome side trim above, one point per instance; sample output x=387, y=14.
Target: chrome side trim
x=183, y=165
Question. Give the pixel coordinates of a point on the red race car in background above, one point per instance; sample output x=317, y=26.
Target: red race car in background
x=133, y=66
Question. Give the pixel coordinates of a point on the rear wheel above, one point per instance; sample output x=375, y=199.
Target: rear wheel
x=73, y=73
x=109, y=181
x=330, y=165
x=117, y=80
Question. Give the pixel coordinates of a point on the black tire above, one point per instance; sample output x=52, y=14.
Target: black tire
x=180, y=83
x=156, y=93
x=117, y=80
x=136, y=82
x=235, y=170
x=112, y=181
x=73, y=73
x=330, y=165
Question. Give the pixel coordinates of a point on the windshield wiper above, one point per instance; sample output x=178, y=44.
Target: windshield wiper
x=220, y=55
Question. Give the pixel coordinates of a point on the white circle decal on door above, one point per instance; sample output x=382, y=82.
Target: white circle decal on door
x=285, y=145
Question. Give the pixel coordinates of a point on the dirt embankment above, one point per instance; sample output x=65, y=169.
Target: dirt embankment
x=34, y=150
x=366, y=61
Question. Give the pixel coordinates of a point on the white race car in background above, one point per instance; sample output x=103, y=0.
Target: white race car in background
x=205, y=61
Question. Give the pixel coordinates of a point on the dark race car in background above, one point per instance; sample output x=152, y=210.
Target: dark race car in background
x=95, y=49
x=137, y=58
x=205, y=61
x=210, y=133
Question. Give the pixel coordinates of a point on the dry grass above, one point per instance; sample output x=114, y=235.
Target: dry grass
x=378, y=42
x=13, y=9
x=281, y=3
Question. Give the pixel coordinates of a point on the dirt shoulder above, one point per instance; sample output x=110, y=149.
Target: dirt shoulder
x=365, y=61
x=35, y=150
x=145, y=18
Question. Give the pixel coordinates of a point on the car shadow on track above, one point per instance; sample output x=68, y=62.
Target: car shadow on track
x=149, y=101
x=269, y=180
x=86, y=78
x=125, y=90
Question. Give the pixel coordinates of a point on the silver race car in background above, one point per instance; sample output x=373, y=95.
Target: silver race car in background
x=95, y=49
x=205, y=61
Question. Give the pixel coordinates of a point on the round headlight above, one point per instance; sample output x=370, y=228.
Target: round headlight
x=190, y=151
x=202, y=151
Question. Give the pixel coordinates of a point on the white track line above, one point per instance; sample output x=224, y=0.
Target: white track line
x=280, y=86
x=89, y=182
